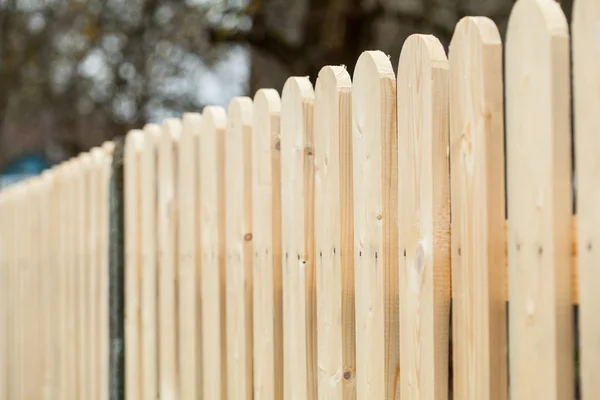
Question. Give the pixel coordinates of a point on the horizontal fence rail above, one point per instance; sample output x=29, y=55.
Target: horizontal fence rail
x=399, y=234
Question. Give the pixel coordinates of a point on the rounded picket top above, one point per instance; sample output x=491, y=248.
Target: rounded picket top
x=296, y=127
x=191, y=125
x=265, y=122
x=240, y=112
x=472, y=31
x=171, y=129
x=538, y=176
x=134, y=141
x=372, y=69
x=531, y=18
x=108, y=147
x=420, y=53
x=214, y=117
x=332, y=78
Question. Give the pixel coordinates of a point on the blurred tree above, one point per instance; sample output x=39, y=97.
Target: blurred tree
x=74, y=73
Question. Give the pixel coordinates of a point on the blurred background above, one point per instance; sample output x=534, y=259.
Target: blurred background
x=74, y=73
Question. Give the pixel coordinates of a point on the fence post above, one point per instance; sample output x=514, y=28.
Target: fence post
x=424, y=218
x=479, y=343
x=586, y=79
x=297, y=240
x=334, y=235
x=266, y=266
x=238, y=201
x=189, y=266
x=539, y=202
x=167, y=265
x=375, y=226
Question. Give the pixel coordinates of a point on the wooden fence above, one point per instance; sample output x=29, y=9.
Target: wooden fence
x=347, y=241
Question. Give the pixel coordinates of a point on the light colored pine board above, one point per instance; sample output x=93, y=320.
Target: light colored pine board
x=4, y=292
x=149, y=282
x=266, y=265
x=76, y=274
x=94, y=260
x=334, y=234
x=103, y=231
x=188, y=258
x=11, y=211
x=539, y=202
x=134, y=144
x=586, y=80
x=64, y=280
x=167, y=257
x=297, y=240
x=424, y=218
x=211, y=150
x=47, y=276
x=238, y=215
x=479, y=346
x=374, y=147
x=53, y=276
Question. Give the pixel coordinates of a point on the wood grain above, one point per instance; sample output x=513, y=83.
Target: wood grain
x=586, y=58
x=479, y=344
x=374, y=146
x=334, y=235
x=167, y=257
x=266, y=265
x=188, y=279
x=297, y=240
x=539, y=202
x=212, y=250
x=149, y=284
x=424, y=218
x=238, y=203
x=133, y=146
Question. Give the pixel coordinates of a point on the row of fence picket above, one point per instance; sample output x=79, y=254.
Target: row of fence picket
x=311, y=246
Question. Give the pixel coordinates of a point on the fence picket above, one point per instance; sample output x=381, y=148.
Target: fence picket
x=424, y=218
x=133, y=146
x=189, y=263
x=167, y=263
x=266, y=245
x=374, y=152
x=298, y=274
x=238, y=201
x=211, y=151
x=539, y=202
x=586, y=78
x=149, y=199
x=334, y=235
x=478, y=235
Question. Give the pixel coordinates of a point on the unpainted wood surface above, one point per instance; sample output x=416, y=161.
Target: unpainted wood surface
x=334, y=235
x=539, y=202
x=149, y=283
x=266, y=264
x=479, y=344
x=586, y=80
x=167, y=257
x=211, y=150
x=133, y=366
x=424, y=218
x=297, y=220
x=374, y=146
x=238, y=202
x=188, y=277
